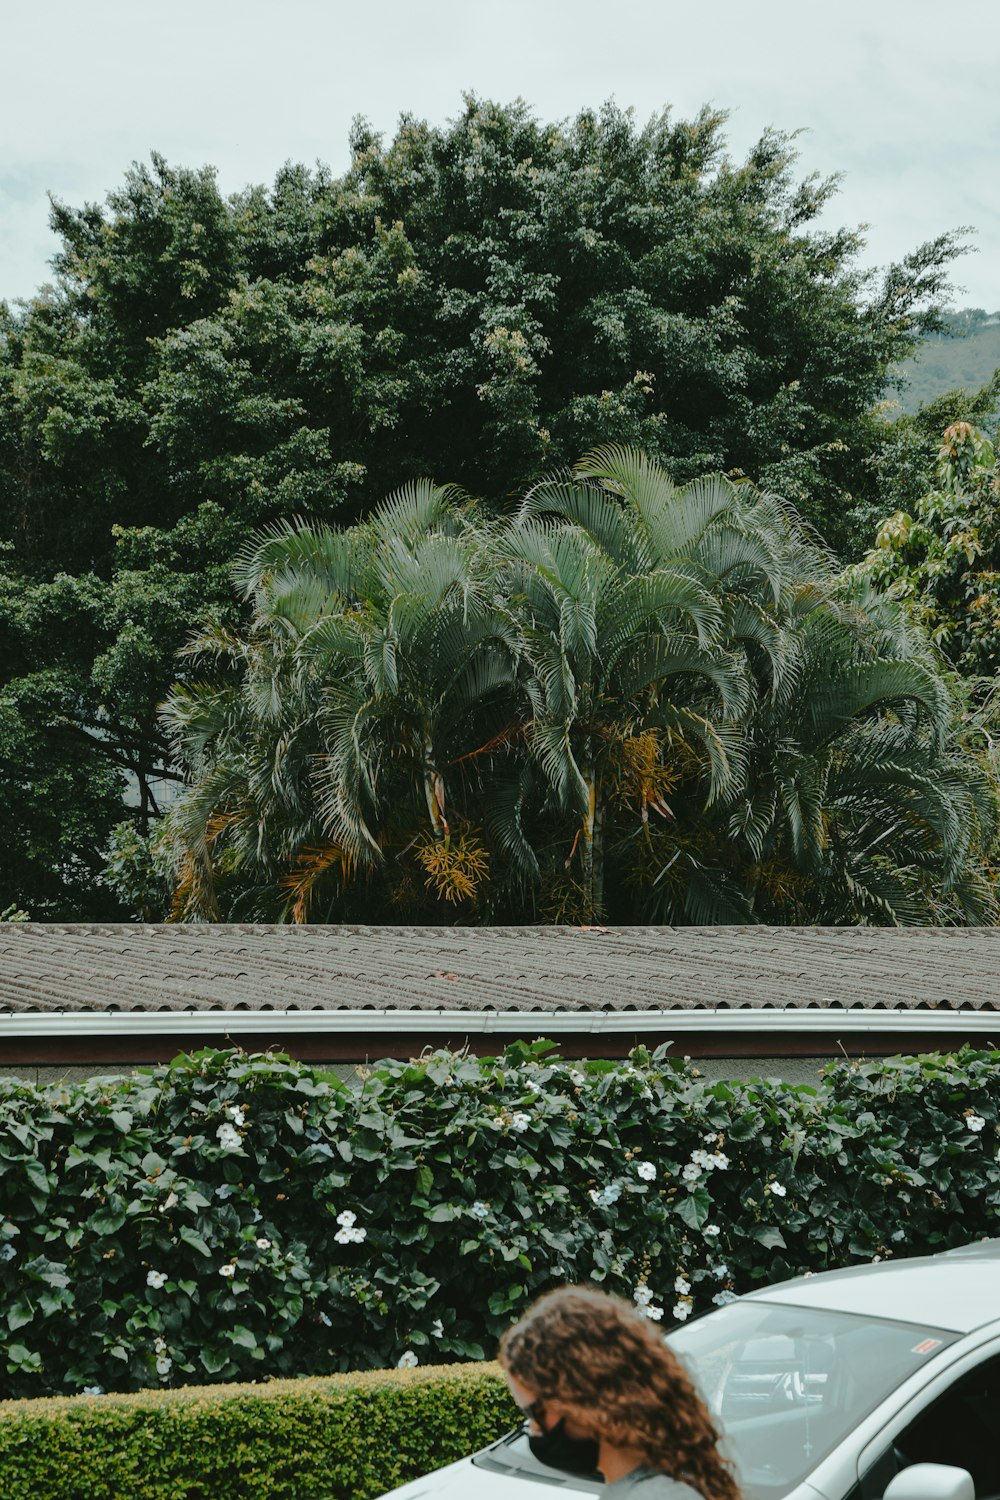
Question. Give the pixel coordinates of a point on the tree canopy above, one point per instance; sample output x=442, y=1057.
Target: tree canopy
x=483, y=300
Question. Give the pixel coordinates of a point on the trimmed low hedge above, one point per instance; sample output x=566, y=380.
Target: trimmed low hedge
x=235, y=1217
x=345, y=1437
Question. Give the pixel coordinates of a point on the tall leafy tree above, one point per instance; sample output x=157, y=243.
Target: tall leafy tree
x=944, y=555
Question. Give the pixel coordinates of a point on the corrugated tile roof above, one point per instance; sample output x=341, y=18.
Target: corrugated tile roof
x=48, y=968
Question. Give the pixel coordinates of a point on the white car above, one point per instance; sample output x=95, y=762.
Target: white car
x=826, y=1387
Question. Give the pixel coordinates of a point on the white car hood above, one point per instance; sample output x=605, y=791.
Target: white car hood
x=469, y=1482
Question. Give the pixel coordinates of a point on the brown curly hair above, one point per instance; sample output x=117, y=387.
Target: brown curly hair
x=600, y=1358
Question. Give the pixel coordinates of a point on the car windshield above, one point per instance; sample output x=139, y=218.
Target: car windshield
x=786, y=1384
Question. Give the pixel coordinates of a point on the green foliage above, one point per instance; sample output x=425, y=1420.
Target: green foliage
x=231, y=1217
x=139, y=871
x=945, y=556
x=483, y=300
x=339, y=1438
x=629, y=701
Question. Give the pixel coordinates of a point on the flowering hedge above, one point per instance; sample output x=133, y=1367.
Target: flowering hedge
x=242, y=1217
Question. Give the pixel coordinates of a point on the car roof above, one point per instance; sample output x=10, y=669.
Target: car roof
x=958, y=1289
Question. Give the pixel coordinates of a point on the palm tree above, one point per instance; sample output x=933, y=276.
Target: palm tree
x=668, y=687
x=866, y=795
x=653, y=621
x=371, y=656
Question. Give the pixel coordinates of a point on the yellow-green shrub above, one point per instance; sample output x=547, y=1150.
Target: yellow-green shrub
x=338, y=1437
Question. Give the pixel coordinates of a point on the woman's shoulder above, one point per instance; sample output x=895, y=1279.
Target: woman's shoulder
x=649, y=1484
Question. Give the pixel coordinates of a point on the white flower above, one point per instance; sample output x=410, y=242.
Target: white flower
x=533, y=1086
x=8, y=1251
x=777, y=1188
x=406, y=1360
x=349, y=1236
x=263, y=1244
x=898, y=1234
x=721, y=1298
x=496, y=1122
x=235, y=1113
x=682, y=1285
x=709, y=1160
x=682, y=1310
x=575, y=1076
x=93, y=1390
x=480, y=1210
x=711, y=1230
x=642, y=1295
x=156, y=1279
x=225, y=1190
x=169, y=1202
x=437, y=1329
x=346, y=1219
x=164, y=1364
x=159, y=1345
x=229, y=1137
x=691, y=1173
x=974, y=1122
x=519, y=1120
x=646, y=1171
x=721, y=1272
x=652, y=1312
x=712, y=1138
x=227, y=1270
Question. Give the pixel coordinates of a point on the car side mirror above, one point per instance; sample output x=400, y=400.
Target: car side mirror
x=931, y=1482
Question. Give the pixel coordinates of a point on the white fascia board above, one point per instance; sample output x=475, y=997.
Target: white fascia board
x=500, y=1022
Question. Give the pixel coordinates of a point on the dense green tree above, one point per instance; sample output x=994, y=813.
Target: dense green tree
x=437, y=712
x=944, y=557
x=484, y=300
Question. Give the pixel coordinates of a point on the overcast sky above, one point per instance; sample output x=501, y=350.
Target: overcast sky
x=901, y=96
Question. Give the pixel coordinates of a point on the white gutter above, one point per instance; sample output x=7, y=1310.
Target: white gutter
x=501, y=1022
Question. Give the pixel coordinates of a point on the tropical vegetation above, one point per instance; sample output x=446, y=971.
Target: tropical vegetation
x=944, y=557
x=482, y=301
x=628, y=701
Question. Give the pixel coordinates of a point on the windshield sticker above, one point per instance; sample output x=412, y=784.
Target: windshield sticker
x=926, y=1346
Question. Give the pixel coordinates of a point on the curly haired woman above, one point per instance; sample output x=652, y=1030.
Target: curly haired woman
x=601, y=1390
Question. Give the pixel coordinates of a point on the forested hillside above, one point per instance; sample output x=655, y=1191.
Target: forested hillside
x=964, y=355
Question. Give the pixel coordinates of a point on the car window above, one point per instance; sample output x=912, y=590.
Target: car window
x=787, y=1384
x=961, y=1427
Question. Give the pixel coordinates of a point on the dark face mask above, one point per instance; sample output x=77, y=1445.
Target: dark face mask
x=560, y=1451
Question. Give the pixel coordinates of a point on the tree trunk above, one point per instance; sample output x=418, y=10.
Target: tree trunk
x=592, y=851
x=434, y=792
